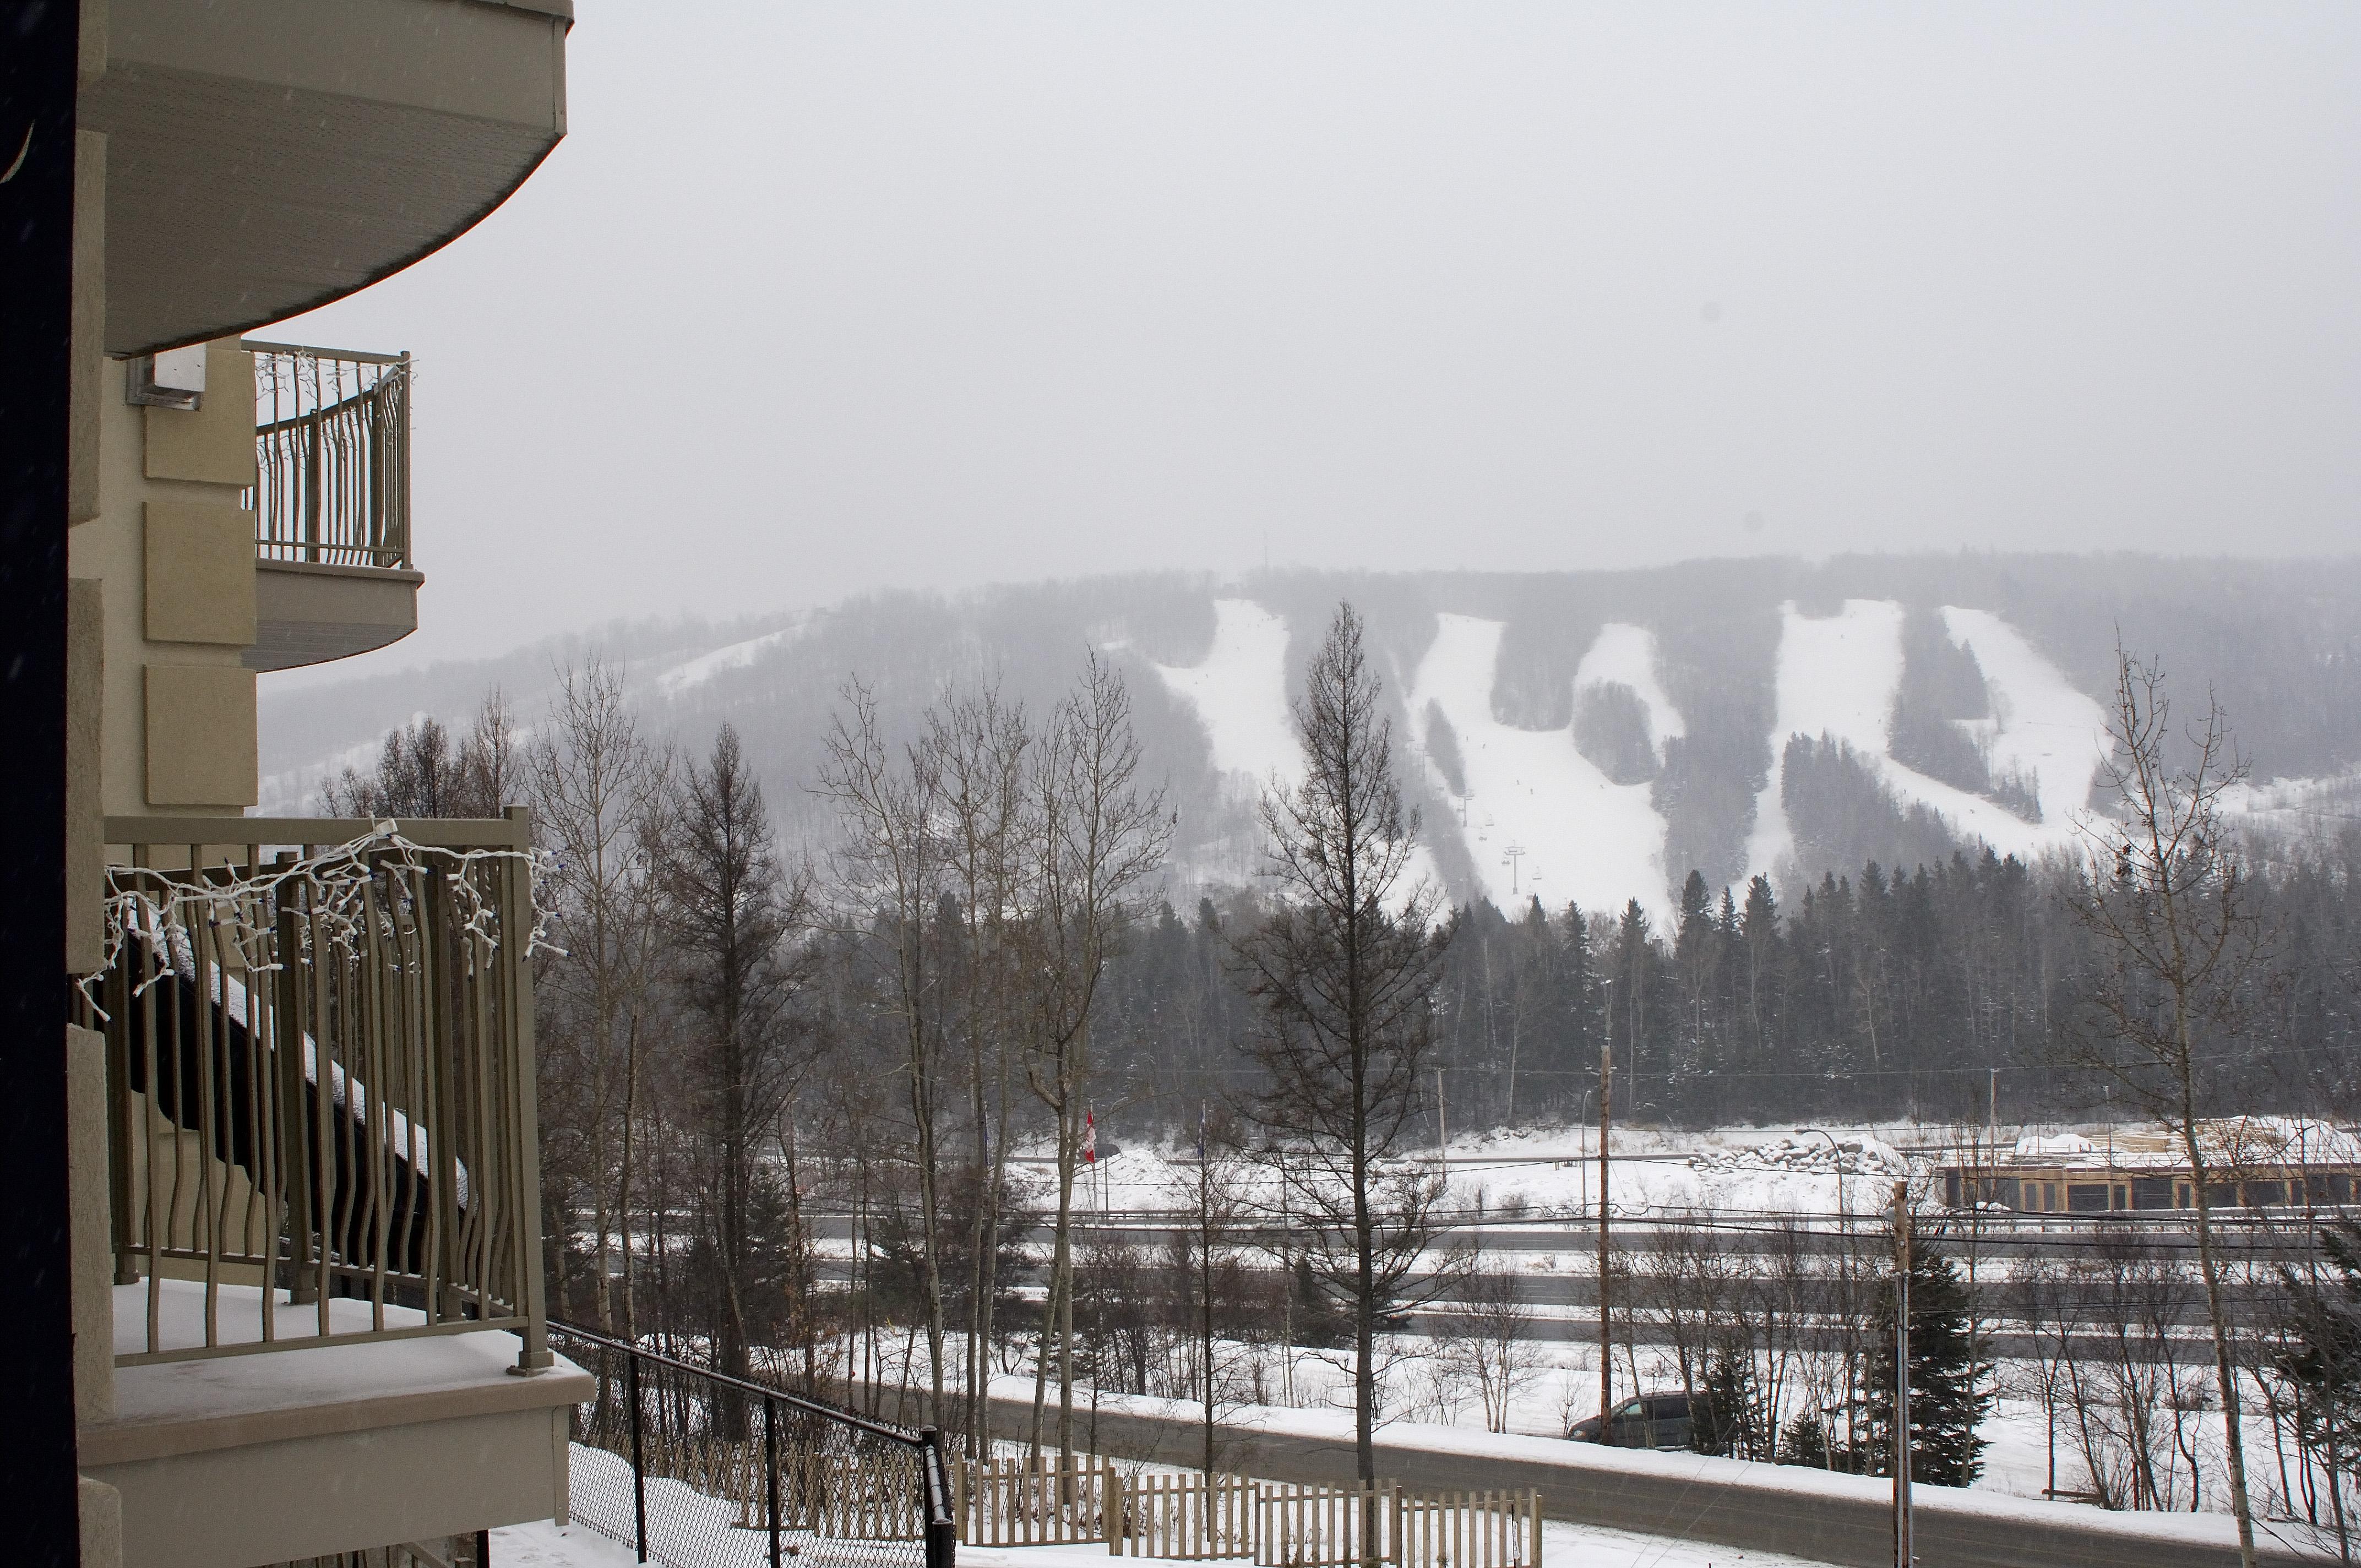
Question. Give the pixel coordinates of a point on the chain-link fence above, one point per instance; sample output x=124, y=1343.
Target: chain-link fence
x=696, y=1470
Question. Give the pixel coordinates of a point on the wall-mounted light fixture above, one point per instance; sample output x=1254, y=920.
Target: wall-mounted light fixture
x=172, y=379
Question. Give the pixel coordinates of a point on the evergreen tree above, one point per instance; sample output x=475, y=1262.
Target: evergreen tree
x=1951, y=1386
x=1805, y=1442
x=2323, y=1361
x=1734, y=1420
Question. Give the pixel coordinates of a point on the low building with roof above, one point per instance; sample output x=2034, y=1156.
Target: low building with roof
x=2251, y=1162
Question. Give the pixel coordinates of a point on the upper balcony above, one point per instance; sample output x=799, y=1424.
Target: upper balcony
x=267, y=157
x=333, y=575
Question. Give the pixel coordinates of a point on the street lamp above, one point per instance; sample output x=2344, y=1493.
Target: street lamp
x=1835, y=1149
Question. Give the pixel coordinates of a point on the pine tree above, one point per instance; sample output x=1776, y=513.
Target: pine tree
x=1805, y=1442
x=1735, y=1421
x=1950, y=1388
x=2323, y=1360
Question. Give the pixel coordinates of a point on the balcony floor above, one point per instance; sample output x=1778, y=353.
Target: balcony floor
x=237, y=1318
x=358, y=1442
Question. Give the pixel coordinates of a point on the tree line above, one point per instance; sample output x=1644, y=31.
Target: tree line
x=916, y=1035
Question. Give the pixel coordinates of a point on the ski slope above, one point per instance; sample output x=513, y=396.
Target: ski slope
x=1625, y=655
x=1239, y=692
x=744, y=655
x=1576, y=833
x=2042, y=729
x=1836, y=677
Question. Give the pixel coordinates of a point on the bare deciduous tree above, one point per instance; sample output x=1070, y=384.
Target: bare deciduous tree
x=1099, y=837
x=597, y=792
x=980, y=747
x=2180, y=956
x=1490, y=1342
x=889, y=867
x=422, y=772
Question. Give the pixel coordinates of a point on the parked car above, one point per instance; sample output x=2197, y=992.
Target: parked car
x=1648, y=1420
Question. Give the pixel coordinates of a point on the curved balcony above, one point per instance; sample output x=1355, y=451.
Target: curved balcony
x=332, y=573
x=266, y=157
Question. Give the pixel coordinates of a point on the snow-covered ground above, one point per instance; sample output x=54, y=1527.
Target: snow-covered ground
x=1575, y=833
x=1625, y=655
x=743, y=655
x=1239, y=693
x=2042, y=729
x=1836, y=677
x=546, y=1545
x=1563, y=1546
x=1554, y=1173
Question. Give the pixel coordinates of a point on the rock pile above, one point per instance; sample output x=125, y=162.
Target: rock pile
x=1812, y=1155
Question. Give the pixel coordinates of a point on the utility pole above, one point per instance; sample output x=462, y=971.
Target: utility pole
x=1992, y=1122
x=1442, y=1133
x=1606, y=1334
x=1902, y=1545
x=1206, y=1278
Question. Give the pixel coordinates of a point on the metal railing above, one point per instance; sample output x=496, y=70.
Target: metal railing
x=694, y=1469
x=319, y=1082
x=332, y=446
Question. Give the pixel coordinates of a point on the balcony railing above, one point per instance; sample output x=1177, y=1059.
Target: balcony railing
x=320, y=1083
x=332, y=443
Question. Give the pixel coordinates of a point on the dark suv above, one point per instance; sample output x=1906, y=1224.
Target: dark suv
x=1650, y=1420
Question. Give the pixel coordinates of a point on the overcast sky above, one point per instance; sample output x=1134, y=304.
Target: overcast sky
x=819, y=299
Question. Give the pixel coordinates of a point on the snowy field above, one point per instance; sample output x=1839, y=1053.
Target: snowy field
x=1540, y=1175
x=1552, y=1173
x=546, y=1545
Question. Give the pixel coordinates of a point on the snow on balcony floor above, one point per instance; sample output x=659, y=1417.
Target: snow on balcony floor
x=237, y=1316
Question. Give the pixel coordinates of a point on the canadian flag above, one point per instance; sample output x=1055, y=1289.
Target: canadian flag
x=1089, y=1138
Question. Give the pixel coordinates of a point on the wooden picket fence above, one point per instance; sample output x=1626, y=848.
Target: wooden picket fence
x=1299, y=1526
x=1049, y=1502
x=1043, y=1502
x=1467, y=1529
x=1187, y=1516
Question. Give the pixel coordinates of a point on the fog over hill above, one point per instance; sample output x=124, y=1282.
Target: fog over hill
x=1581, y=736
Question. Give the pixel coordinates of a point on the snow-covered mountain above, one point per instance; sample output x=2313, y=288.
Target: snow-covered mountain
x=1585, y=737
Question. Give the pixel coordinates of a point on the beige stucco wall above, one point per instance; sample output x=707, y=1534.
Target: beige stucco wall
x=86, y=820
x=341, y=1491
x=90, y=1223
x=173, y=555
x=199, y=570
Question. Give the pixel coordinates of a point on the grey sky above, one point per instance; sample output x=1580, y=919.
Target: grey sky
x=818, y=299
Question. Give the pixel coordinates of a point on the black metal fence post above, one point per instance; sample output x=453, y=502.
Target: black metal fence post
x=639, y=1457
x=771, y=1472
x=942, y=1529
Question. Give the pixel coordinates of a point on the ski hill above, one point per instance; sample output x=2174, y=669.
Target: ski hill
x=1575, y=737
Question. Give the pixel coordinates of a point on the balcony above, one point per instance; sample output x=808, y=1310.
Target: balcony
x=323, y=1178
x=331, y=504
x=266, y=157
